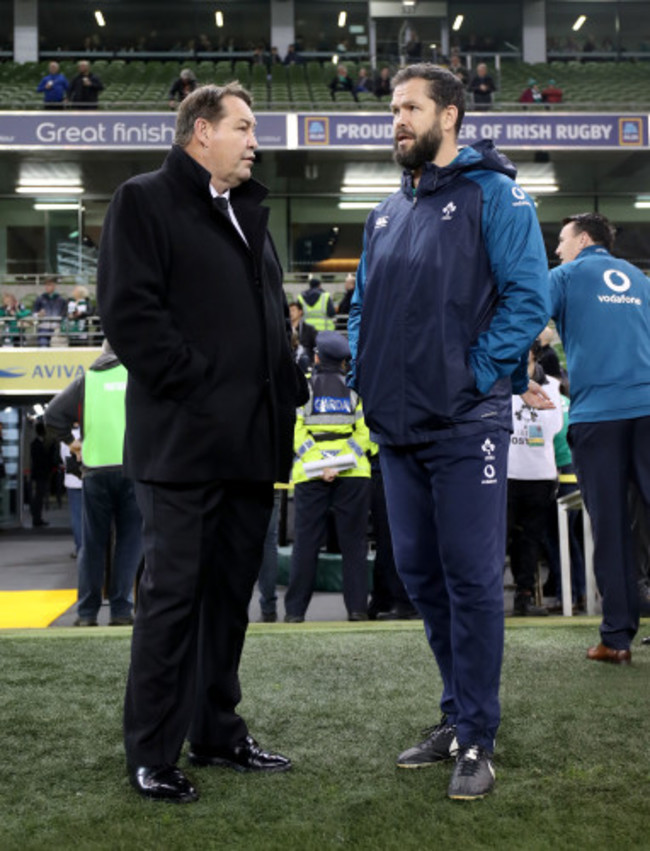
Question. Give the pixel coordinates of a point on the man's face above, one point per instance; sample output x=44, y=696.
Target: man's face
x=417, y=131
x=570, y=243
x=295, y=313
x=54, y=67
x=50, y=286
x=231, y=144
x=84, y=68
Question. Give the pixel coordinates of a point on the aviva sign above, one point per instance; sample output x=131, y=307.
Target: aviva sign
x=31, y=371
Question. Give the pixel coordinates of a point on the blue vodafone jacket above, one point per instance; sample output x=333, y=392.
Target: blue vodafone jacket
x=452, y=289
x=601, y=306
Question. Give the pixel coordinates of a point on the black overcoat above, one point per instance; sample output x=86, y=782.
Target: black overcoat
x=199, y=319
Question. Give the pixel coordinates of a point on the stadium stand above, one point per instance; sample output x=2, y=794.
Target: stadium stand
x=144, y=85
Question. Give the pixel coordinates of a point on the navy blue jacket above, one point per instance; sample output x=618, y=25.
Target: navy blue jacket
x=451, y=291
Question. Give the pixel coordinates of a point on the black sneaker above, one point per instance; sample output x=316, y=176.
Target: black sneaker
x=440, y=744
x=473, y=775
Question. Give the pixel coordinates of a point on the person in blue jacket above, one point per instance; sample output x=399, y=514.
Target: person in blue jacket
x=54, y=86
x=601, y=307
x=452, y=289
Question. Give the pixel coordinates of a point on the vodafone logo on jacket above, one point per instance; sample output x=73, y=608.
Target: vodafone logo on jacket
x=619, y=283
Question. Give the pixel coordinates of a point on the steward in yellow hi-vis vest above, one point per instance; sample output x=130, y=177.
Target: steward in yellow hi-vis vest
x=317, y=306
x=97, y=403
x=331, y=471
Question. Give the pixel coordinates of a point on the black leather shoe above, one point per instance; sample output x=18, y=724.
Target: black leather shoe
x=524, y=606
x=400, y=612
x=246, y=756
x=163, y=783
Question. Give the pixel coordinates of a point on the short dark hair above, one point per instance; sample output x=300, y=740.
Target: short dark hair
x=597, y=226
x=445, y=89
x=205, y=102
x=296, y=304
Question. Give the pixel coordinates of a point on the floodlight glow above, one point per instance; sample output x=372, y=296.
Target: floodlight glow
x=55, y=205
x=49, y=190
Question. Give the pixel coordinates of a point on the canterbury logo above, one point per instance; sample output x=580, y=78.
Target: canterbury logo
x=382, y=222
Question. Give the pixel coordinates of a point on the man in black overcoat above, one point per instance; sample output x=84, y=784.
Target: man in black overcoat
x=190, y=296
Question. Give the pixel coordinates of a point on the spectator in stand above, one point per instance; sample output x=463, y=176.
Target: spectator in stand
x=84, y=89
x=181, y=87
x=552, y=93
x=274, y=57
x=383, y=87
x=458, y=69
x=11, y=312
x=292, y=57
x=531, y=94
x=76, y=325
x=259, y=56
x=54, y=86
x=412, y=47
x=482, y=88
x=342, y=82
x=317, y=306
x=532, y=484
x=306, y=337
x=51, y=306
x=363, y=83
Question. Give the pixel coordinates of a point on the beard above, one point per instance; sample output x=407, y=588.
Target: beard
x=423, y=150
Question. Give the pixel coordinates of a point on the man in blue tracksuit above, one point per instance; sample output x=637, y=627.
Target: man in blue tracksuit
x=451, y=291
x=601, y=306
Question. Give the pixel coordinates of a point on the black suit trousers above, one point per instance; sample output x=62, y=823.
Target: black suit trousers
x=203, y=546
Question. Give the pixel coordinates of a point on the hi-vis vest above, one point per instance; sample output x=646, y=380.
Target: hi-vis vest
x=316, y=314
x=330, y=424
x=104, y=418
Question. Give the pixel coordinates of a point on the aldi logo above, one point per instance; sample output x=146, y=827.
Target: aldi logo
x=630, y=131
x=317, y=131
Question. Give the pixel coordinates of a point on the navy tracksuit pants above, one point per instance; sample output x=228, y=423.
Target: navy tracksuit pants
x=608, y=456
x=447, y=509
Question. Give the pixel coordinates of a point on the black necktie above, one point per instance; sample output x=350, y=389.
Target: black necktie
x=221, y=204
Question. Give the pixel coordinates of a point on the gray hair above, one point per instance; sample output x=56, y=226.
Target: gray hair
x=205, y=102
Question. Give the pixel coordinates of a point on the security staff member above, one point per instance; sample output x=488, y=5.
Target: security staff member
x=317, y=306
x=331, y=470
x=96, y=401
